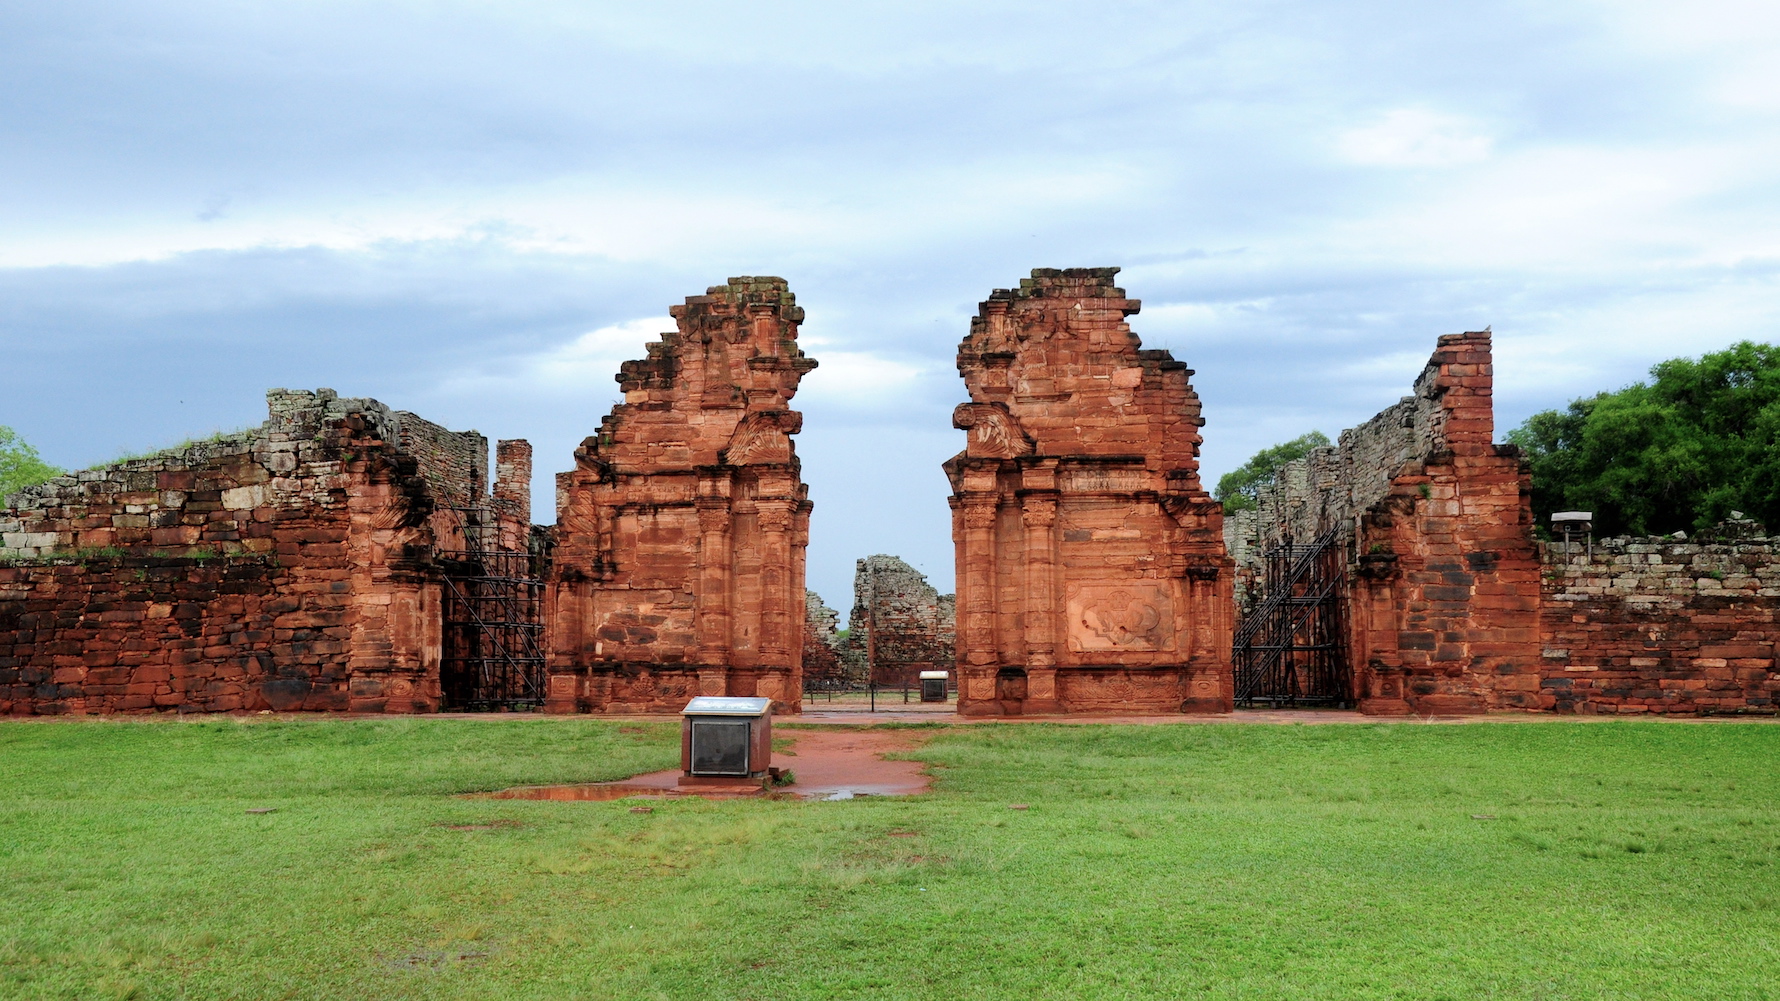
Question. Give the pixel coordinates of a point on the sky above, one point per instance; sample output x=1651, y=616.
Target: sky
x=476, y=211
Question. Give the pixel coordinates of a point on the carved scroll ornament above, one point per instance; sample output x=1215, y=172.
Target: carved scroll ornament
x=994, y=433
x=763, y=437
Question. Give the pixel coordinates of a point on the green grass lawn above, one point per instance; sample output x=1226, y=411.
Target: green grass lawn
x=1624, y=860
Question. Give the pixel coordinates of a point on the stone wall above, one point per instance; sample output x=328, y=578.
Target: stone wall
x=288, y=566
x=1662, y=625
x=821, y=642
x=137, y=634
x=1443, y=592
x=900, y=624
x=1092, y=573
x=679, y=560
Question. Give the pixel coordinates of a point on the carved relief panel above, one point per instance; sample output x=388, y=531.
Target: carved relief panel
x=1134, y=617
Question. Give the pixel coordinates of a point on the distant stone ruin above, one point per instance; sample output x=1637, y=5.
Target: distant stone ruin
x=679, y=561
x=900, y=624
x=822, y=663
x=1091, y=567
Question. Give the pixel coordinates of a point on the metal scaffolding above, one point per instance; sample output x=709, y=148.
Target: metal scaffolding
x=1290, y=649
x=493, y=657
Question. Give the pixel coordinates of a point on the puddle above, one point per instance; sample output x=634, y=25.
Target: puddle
x=829, y=764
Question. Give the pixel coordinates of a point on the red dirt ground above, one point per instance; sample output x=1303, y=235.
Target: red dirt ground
x=838, y=762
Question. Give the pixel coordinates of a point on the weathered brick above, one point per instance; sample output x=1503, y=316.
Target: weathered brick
x=681, y=529
x=1092, y=572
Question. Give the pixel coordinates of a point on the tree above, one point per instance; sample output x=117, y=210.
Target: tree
x=1239, y=490
x=1681, y=452
x=19, y=465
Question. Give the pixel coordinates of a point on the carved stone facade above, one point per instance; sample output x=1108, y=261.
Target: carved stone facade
x=679, y=561
x=1092, y=574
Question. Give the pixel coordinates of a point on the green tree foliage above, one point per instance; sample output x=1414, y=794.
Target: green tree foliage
x=1699, y=440
x=19, y=465
x=1239, y=489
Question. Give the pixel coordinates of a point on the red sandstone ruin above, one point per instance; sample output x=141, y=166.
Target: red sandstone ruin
x=1448, y=603
x=679, y=566
x=1091, y=567
x=291, y=566
x=344, y=556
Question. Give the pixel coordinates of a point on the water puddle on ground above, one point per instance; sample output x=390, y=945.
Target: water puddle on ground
x=831, y=763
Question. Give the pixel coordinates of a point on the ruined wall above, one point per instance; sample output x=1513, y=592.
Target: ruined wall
x=900, y=624
x=288, y=566
x=679, y=561
x=1443, y=609
x=511, y=502
x=1662, y=625
x=1336, y=485
x=821, y=642
x=1092, y=573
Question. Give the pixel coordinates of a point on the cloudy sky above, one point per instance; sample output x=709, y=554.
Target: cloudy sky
x=476, y=210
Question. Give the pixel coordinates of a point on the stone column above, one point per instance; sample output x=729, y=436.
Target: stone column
x=775, y=570
x=978, y=650
x=778, y=627
x=714, y=566
x=1038, y=515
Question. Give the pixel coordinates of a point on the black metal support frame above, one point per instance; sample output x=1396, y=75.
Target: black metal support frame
x=493, y=656
x=1291, y=649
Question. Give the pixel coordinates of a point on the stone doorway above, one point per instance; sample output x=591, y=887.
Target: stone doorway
x=1291, y=648
x=493, y=652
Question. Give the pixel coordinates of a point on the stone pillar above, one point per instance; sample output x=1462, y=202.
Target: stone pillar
x=513, y=493
x=977, y=646
x=777, y=624
x=715, y=566
x=1038, y=517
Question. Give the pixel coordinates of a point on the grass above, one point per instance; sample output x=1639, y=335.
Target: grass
x=215, y=437
x=1618, y=860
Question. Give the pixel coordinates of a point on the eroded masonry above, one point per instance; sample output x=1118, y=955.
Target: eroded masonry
x=1091, y=574
x=292, y=566
x=900, y=624
x=679, y=561
x=347, y=556
x=1400, y=570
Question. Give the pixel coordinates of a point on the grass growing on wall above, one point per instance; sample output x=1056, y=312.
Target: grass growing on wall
x=1537, y=860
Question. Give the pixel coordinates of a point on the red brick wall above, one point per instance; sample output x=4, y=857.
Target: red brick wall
x=1445, y=609
x=138, y=634
x=1661, y=625
x=289, y=566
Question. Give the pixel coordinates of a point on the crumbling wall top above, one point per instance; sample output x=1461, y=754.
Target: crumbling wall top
x=1058, y=359
x=733, y=358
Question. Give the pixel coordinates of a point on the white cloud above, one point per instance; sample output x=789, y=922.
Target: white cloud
x=859, y=380
x=584, y=365
x=1416, y=137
